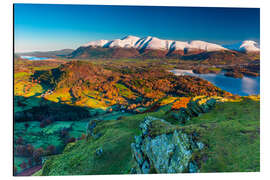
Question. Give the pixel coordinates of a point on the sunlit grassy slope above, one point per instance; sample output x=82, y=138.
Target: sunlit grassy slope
x=24, y=87
x=230, y=131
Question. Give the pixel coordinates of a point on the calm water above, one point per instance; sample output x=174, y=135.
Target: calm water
x=33, y=58
x=246, y=86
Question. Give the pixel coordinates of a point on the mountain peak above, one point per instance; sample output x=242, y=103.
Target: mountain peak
x=130, y=37
x=154, y=43
x=244, y=46
x=249, y=46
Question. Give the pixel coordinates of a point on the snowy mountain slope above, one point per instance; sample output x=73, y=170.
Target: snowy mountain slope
x=98, y=43
x=249, y=46
x=206, y=46
x=154, y=43
x=126, y=42
x=244, y=46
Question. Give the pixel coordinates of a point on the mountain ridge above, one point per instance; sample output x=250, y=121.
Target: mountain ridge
x=155, y=43
x=153, y=47
x=52, y=53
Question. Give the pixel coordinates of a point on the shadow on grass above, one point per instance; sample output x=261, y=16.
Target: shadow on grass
x=38, y=109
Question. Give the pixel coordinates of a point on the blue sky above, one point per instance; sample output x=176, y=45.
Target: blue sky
x=40, y=27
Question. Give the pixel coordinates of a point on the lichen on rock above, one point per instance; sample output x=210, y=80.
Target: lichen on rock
x=165, y=153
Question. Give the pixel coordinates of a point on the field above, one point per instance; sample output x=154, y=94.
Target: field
x=82, y=116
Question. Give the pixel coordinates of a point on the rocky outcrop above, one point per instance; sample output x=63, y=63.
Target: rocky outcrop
x=165, y=153
x=194, y=108
x=90, y=130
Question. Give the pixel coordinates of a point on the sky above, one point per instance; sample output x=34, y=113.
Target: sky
x=44, y=27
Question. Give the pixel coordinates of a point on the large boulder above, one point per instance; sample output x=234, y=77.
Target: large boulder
x=165, y=153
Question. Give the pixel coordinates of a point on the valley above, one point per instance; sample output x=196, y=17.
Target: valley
x=117, y=89
x=81, y=116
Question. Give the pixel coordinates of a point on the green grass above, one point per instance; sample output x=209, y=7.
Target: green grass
x=43, y=137
x=38, y=173
x=230, y=130
x=215, y=69
x=117, y=135
x=81, y=159
x=21, y=75
x=24, y=87
x=124, y=91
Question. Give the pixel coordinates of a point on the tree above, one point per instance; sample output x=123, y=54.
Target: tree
x=23, y=165
x=30, y=162
x=19, y=141
x=72, y=139
x=51, y=149
x=26, y=125
x=29, y=149
x=38, y=153
x=83, y=137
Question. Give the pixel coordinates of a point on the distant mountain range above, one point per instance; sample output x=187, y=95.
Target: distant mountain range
x=153, y=47
x=62, y=52
x=171, y=45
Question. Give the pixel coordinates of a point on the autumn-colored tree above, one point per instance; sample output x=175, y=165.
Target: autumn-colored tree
x=23, y=165
x=42, y=124
x=38, y=153
x=24, y=150
x=30, y=149
x=64, y=133
x=83, y=136
x=72, y=139
x=182, y=103
x=51, y=149
x=30, y=162
x=20, y=141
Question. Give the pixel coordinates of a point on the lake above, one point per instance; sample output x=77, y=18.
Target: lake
x=248, y=85
x=34, y=58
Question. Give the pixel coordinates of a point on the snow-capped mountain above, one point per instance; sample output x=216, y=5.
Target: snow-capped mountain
x=244, y=46
x=98, y=43
x=153, y=47
x=155, y=43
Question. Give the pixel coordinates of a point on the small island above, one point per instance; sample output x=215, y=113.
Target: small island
x=234, y=74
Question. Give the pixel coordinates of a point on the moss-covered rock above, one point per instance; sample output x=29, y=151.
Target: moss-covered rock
x=164, y=153
x=194, y=108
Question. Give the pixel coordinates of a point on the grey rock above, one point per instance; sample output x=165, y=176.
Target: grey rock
x=90, y=129
x=200, y=145
x=145, y=167
x=99, y=151
x=133, y=171
x=137, y=154
x=165, y=153
x=193, y=168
